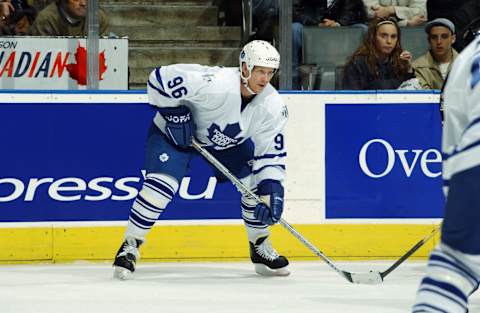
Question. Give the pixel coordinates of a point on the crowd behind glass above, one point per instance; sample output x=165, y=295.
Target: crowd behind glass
x=379, y=62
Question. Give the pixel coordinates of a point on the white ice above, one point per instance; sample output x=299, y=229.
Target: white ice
x=206, y=287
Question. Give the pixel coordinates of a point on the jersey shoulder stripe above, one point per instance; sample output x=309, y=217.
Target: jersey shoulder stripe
x=161, y=92
x=270, y=156
x=267, y=166
x=155, y=81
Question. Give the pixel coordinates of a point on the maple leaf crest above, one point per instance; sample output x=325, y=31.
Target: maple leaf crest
x=78, y=71
x=226, y=137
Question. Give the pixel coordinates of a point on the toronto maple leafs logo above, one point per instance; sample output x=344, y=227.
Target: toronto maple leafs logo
x=225, y=138
x=163, y=157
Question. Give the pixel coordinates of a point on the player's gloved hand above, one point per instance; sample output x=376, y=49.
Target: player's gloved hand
x=179, y=126
x=271, y=191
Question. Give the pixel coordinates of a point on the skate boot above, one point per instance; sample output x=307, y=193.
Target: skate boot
x=266, y=259
x=126, y=258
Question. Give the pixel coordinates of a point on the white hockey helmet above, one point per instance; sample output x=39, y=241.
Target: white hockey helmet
x=259, y=53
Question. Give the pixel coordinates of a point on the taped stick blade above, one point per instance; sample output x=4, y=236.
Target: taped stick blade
x=370, y=278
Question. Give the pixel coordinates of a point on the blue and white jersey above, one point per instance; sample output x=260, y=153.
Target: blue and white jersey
x=461, y=133
x=213, y=96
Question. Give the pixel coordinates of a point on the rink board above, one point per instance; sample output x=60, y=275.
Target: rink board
x=215, y=242
x=363, y=178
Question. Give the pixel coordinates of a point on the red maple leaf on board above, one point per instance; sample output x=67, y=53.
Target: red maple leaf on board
x=78, y=71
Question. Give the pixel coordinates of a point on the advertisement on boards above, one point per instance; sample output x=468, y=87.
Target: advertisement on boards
x=383, y=160
x=84, y=162
x=60, y=63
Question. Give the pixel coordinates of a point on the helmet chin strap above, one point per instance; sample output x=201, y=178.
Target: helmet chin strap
x=244, y=81
x=245, y=84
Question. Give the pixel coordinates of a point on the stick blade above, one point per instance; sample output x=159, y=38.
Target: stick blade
x=370, y=278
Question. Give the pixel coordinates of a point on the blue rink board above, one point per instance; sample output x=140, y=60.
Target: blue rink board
x=86, y=141
x=351, y=193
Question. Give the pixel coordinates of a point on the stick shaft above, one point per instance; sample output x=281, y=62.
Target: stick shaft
x=246, y=191
x=404, y=257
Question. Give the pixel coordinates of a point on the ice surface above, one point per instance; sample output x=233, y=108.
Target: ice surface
x=206, y=287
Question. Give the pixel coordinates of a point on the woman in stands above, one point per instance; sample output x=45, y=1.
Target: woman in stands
x=379, y=62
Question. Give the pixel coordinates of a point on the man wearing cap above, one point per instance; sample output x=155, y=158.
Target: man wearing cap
x=432, y=68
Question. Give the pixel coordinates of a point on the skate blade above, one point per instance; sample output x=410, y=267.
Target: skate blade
x=121, y=273
x=264, y=270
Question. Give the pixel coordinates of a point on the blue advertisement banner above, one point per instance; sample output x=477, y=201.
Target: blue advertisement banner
x=383, y=161
x=83, y=162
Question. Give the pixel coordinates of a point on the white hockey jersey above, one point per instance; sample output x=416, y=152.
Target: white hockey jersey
x=213, y=96
x=461, y=132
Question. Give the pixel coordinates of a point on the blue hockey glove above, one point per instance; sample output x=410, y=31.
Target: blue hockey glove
x=272, y=212
x=179, y=126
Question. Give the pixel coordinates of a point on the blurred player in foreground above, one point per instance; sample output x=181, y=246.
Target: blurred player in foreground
x=453, y=271
x=240, y=118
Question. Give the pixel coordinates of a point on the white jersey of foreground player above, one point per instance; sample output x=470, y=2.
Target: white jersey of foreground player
x=213, y=96
x=461, y=132
x=453, y=270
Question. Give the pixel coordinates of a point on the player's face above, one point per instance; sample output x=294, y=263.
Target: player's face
x=77, y=8
x=386, y=39
x=441, y=40
x=260, y=78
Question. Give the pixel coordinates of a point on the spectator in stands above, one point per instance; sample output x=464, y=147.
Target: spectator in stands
x=406, y=12
x=432, y=68
x=265, y=17
x=322, y=13
x=6, y=8
x=16, y=17
x=66, y=18
x=467, y=21
x=443, y=8
x=379, y=62
x=40, y=4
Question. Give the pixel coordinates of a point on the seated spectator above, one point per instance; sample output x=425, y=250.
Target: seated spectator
x=265, y=17
x=379, y=62
x=16, y=17
x=406, y=12
x=6, y=8
x=322, y=13
x=467, y=21
x=432, y=68
x=66, y=18
x=443, y=8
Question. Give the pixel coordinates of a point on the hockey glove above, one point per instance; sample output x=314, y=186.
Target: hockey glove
x=271, y=212
x=179, y=126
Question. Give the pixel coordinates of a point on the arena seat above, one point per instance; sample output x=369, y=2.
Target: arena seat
x=325, y=51
x=414, y=39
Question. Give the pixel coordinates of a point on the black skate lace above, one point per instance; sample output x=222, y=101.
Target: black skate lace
x=266, y=251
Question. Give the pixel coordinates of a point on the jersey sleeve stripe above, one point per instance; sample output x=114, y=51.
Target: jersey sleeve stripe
x=470, y=146
x=475, y=72
x=270, y=156
x=159, y=77
x=163, y=93
x=472, y=123
x=267, y=166
x=461, y=161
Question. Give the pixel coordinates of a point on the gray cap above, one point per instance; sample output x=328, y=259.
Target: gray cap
x=440, y=22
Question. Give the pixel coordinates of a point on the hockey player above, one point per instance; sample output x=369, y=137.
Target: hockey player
x=453, y=271
x=240, y=118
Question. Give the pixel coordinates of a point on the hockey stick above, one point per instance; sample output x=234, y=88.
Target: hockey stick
x=357, y=278
x=404, y=257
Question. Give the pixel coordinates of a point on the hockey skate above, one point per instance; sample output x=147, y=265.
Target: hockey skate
x=126, y=258
x=266, y=260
